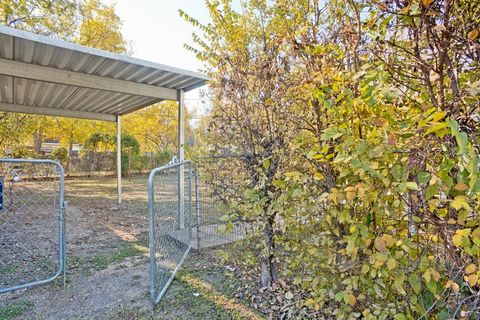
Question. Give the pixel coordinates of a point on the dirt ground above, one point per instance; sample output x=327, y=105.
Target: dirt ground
x=108, y=267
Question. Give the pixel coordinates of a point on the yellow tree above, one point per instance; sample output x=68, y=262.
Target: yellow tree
x=51, y=18
x=155, y=127
x=99, y=28
x=90, y=23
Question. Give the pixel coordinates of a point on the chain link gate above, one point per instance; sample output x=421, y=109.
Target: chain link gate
x=170, y=223
x=32, y=223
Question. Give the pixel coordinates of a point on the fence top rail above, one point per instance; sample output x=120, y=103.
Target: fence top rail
x=54, y=162
x=42, y=161
x=168, y=166
x=154, y=172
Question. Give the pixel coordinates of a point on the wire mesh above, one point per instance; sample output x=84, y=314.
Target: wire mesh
x=216, y=223
x=170, y=217
x=31, y=223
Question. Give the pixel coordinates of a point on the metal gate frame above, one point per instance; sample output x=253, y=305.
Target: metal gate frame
x=62, y=262
x=182, y=166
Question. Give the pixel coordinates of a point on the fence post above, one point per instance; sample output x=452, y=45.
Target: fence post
x=151, y=233
x=190, y=209
x=181, y=156
x=197, y=206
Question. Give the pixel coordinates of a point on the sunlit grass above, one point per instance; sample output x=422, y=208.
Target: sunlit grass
x=209, y=293
x=13, y=310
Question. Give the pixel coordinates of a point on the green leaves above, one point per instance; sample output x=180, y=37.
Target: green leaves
x=423, y=177
x=415, y=283
x=460, y=137
x=330, y=133
x=411, y=185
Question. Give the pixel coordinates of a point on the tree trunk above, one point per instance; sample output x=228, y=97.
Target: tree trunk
x=268, y=268
x=70, y=154
x=37, y=141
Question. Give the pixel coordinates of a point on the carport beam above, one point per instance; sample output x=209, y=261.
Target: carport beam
x=119, y=160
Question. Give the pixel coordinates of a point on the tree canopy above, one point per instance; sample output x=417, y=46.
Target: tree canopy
x=356, y=123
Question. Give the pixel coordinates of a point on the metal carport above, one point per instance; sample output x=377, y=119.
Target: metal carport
x=45, y=76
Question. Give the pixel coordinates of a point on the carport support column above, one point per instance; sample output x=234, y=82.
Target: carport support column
x=119, y=160
x=181, y=157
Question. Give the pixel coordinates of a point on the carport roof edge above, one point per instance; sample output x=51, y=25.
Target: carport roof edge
x=42, y=75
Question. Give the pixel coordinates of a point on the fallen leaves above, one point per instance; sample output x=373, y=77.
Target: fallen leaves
x=473, y=35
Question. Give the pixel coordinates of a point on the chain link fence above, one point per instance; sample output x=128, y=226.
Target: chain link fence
x=170, y=223
x=216, y=222
x=190, y=207
x=32, y=225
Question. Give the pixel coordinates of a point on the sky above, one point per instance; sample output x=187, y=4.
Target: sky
x=157, y=33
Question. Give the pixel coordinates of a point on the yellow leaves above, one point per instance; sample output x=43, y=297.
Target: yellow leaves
x=431, y=274
x=472, y=279
x=378, y=264
x=388, y=240
x=351, y=299
x=473, y=35
x=391, y=264
x=411, y=185
x=380, y=244
x=405, y=10
x=460, y=187
x=380, y=260
x=309, y=302
x=460, y=202
x=350, y=193
x=381, y=122
x=383, y=242
x=439, y=28
x=318, y=176
x=461, y=239
x=476, y=233
x=427, y=3
x=471, y=268
x=452, y=285
x=391, y=139
x=464, y=232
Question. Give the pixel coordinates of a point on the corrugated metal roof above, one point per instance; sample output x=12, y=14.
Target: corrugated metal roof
x=36, y=50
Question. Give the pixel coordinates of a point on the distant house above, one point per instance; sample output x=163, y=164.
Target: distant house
x=51, y=144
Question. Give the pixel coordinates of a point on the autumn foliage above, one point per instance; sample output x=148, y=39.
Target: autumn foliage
x=357, y=125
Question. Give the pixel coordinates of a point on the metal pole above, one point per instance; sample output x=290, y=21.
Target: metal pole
x=151, y=233
x=181, y=125
x=181, y=157
x=197, y=206
x=190, y=209
x=119, y=160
